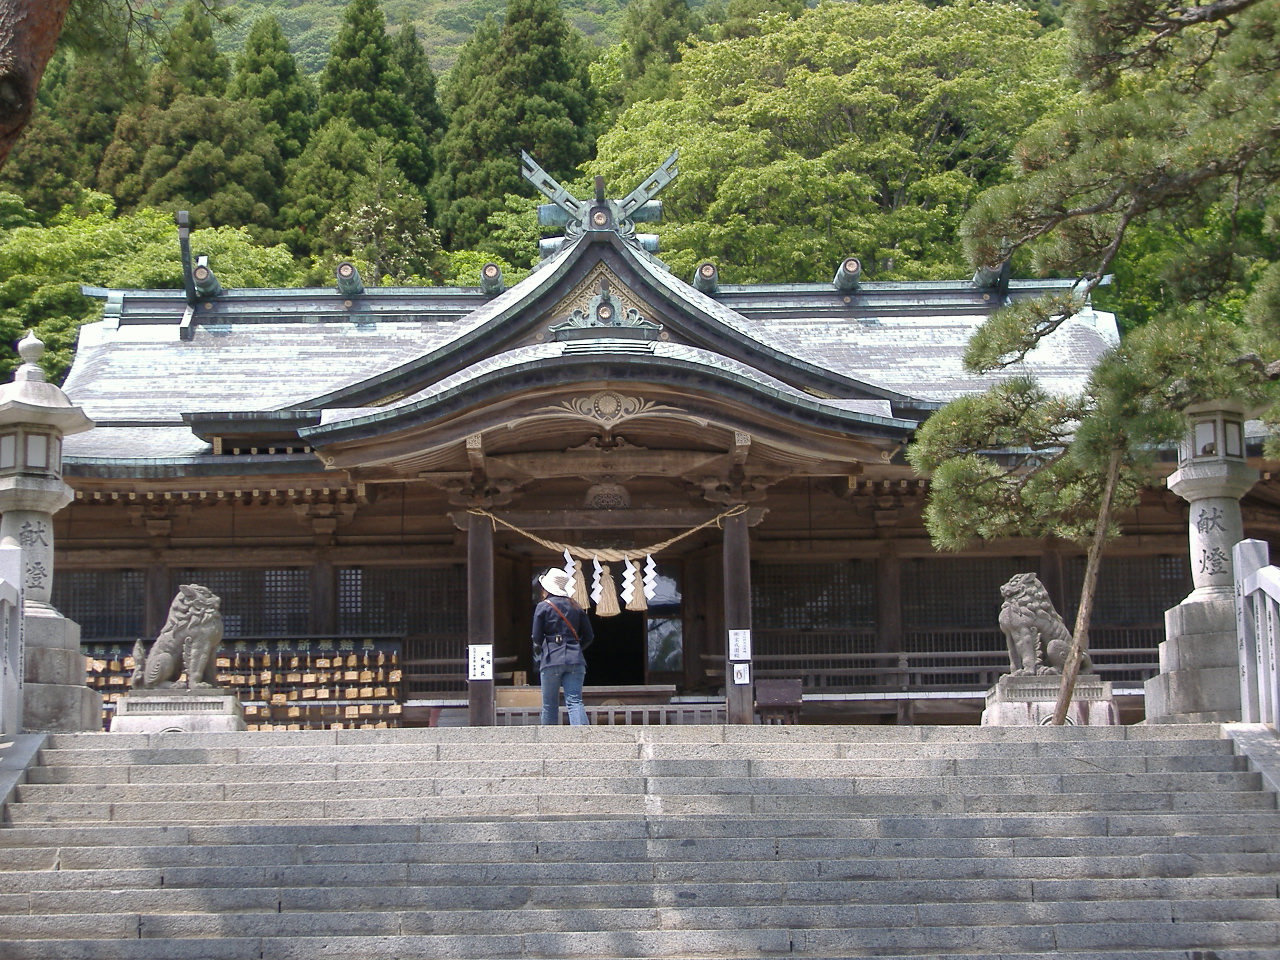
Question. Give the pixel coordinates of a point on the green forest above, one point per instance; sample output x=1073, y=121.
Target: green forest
x=926, y=138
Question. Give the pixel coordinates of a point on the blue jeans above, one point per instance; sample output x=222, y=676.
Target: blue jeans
x=571, y=675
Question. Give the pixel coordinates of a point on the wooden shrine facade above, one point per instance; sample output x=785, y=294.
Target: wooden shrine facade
x=347, y=466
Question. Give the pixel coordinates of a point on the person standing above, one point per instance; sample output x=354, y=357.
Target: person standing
x=561, y=631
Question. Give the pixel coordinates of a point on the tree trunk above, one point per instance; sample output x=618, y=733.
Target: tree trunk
x=1080, y=638
x=29, y=32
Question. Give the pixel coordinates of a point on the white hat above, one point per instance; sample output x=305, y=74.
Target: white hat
x=556, y=582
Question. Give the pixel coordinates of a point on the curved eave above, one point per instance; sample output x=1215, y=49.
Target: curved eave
x=487, y=401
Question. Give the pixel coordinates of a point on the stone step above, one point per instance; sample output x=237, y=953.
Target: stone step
x=238, y=949
x=105, y=749
x=1245, y=890
x=713, y=733
x=319, y=771
x=398, y=809
x=1263, y=823
x=437, y=920
x=393, y=872
x=623, y=851
x=685, y=943
x=559, y=843
x=427, y=785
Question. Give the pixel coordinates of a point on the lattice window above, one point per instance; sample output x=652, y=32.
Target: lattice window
x=1131, y=590
x=257, y=602
x=403, y=600
x=813, y=596
x=108, y=604
x=960, y=593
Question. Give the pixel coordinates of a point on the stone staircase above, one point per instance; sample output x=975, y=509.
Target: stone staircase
x=642, y=842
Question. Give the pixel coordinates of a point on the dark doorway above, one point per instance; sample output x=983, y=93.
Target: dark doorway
x=617, y=657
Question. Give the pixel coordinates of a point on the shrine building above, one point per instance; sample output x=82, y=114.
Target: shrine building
x=372, y=477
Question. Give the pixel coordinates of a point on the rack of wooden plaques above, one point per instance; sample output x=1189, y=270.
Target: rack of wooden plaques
x=286, y=684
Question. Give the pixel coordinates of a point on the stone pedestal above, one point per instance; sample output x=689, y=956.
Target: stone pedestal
x=1199, y=678
x=1030, y=701
x=178, y=710
x=55, y=698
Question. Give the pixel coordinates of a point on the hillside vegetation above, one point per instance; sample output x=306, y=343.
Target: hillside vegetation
x=443, y=25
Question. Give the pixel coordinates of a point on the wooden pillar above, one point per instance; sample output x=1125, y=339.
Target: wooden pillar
x=324, y=598
x=480, y=613
x=739, y=703
x=889, y=600
x=158, y=599
x=1053, y=574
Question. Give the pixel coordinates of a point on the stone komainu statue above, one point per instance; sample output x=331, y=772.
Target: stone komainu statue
x=188, y=643
x=1038, y=639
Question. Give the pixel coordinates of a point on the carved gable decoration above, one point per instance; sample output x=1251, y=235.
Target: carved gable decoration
x=602, y=305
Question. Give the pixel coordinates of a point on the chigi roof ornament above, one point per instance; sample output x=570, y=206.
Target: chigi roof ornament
x=599, y=214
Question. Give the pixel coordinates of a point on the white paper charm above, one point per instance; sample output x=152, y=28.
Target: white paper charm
x=596, y=591
x=571, y=568
x=628, y=581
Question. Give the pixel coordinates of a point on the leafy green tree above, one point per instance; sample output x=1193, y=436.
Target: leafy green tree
x=523, y=85
x=191, y=63
x=267, y=76
x=30, y=30
x=363, y=81
x=346, y=198
x=420, y=86
x=1174, y=135
x=388, y=237
x=742, y=18
x=1171, y=143
x=28, y=36
x=42, y=269
x=80, y=100
x=855, y=129
x=653, y=31
x=320, y=182
x=465, y=266
x=211, y=156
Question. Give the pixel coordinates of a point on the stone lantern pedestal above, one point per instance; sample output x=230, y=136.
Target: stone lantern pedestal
x=1199, y=678
x=34, y=417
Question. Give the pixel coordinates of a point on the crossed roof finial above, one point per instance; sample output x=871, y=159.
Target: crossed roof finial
x=578, y=216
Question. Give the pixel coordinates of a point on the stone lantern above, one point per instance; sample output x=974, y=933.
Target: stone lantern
x=34, y=417
x=1199, y=660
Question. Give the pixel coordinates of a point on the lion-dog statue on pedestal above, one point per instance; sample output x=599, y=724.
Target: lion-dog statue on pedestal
x=1038, y=639
x=188, y=643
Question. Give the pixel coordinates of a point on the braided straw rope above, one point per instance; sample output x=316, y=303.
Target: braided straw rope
x=610, y=555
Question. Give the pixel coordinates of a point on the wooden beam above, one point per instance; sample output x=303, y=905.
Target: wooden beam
x=620, y=463
x=603, y=520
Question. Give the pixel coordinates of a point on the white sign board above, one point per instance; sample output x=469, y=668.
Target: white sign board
x=739, y=645
x=12, y=664
x=741, y=673
x=480, y=664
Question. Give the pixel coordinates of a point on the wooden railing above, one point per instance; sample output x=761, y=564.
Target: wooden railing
x=1131, y=660
x=648, y=715
x=436, y=676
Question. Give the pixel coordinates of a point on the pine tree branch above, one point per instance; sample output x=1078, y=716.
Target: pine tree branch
x=1160, y=23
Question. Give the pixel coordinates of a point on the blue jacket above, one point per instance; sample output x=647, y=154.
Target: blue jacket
x=554, y=643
